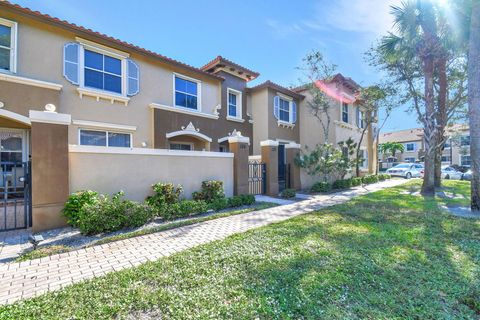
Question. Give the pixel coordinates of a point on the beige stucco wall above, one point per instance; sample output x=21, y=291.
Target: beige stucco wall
x=135, y=173
x=259, y=108
x=40, y=56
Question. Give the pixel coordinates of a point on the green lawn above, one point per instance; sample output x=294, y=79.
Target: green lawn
x=387, y=255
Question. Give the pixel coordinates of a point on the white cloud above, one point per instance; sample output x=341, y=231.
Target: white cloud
x=283, y=30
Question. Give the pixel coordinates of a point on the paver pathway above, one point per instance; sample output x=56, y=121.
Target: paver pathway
x=31, y=278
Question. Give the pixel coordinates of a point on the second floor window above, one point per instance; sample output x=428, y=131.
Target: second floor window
x=345, y=112
x=103, y=72
x=232, y=104
x=465, y=141
x=465, y=160
x=284, y=110
x=410, y=147
x=7, y=45
x=186, y=93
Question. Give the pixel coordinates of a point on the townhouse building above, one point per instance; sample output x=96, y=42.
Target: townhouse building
x=82, y=110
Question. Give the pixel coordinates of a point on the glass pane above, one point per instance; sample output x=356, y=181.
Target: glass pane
x=12, y=143
x=191, y=87
x=93, y=138
x=93, y=79
x=4, y=59
x=191, y=102
x=113, y=83
x=180, y=146
x=180, y=84
x=232, y=110
x=180, y=99
x=232, y=99
x=5, y=36
x=113, y=65
x=93, y=60
x=284, y=116
x=118, y=140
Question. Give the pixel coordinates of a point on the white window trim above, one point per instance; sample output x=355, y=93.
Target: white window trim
x=341, y=112
x=414, y=146
x=13, y=44
x=199, y=91
x=289, y=123
x=239, y=105
x=460, y=158
x=192, y=146
x=106, y=133
x=183, y=110
x=104, y=125
x=98, y=93
x=29, y=82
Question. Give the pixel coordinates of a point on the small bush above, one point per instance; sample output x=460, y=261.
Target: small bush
x=235, y=201
x=288, y=193
x=248, y=199
x=210, y=191
x=383, y=177
x=342, y=184
x=356, y=182
x=321, y=187
x=370, y=179
x=75, y=203
x=164, y=194
x=113, y=214
x=219, y=204
x=184, y=208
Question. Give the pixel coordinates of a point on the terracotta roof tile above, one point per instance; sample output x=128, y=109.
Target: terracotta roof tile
x=90, y=32
x=270, y=84
x=222, y=60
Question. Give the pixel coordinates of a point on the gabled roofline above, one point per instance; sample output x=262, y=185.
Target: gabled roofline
x=220, y=61
x=272, y=85
x=340, y=78
x=103, y=37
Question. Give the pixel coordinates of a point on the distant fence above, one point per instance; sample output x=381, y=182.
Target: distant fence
x=109, y=170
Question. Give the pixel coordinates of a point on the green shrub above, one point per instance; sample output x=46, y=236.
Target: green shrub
x=164, y=194
x=210, y=191
x=247, y=199
x=288, y=193
x=383, y=177
x=370, y=179
x=75, y=203
x=235, y=201
x=219, y=204
x=111, y=214
x=321, y=187
x=356, y=181
x=342, y=184
x=184, y=208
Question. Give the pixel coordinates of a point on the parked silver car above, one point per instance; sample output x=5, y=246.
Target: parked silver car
x=450, y=173
x=467, y=175
x=407, y=170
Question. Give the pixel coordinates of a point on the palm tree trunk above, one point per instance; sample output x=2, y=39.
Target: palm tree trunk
x=441, y=117
x=474, y=103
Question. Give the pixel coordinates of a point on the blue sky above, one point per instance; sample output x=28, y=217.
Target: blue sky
x=270, y=37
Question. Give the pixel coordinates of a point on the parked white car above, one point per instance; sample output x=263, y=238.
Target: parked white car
x=407, y=170
x=450, y=173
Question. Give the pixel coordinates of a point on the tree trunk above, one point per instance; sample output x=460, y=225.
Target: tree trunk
x=442, y=118
x=438, y=168
x=474, y=103
x=428, y=186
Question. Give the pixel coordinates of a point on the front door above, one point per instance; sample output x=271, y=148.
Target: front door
x=15, y=212
x=282, y=168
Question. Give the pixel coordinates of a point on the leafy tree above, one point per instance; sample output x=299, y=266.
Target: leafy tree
x=391, y=147
x=318, y=71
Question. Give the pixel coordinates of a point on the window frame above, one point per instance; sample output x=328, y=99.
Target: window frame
x=448, y=158
x=199, y=92
x=343, y=112
x=190, y=144
x=463, y=138
x=290, y=108
x=106, y=137
x=410, y=143
x=238, y=106
x=13, y=44
x=106, y=51
x=461, y=160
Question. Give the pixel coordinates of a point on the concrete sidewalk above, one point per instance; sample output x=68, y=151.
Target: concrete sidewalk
x=32, y=278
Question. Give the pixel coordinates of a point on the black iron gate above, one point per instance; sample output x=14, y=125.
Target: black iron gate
x=256, y=177
x=15, y=195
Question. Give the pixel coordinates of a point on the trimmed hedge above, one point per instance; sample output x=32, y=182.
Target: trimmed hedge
x=321, y=187
x=210, y=191
x=342, y=184
x=288, y=193
x=356, y=181
x=184, y=208
x=75, y=203
x=370, y=179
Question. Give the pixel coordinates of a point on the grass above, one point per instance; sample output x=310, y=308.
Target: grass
x=386, y=255
x=48, y=250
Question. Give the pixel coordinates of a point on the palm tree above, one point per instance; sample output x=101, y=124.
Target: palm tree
x=474, y=102
x=391, y=147
x=417, y=39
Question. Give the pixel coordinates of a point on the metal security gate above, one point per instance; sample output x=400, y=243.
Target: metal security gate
x=15, y=195
x=256, y=177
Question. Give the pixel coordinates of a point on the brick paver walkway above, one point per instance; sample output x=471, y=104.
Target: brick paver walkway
x=31, y=278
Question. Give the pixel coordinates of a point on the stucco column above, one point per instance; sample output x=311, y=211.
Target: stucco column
x=239, y=146
x=292, y=150
x=50, y=183
x=270, y=158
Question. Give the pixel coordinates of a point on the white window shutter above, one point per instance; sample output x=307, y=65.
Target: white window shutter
x=71, y=52
x=294, y=112
x=276, y=106
x=133, y=78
